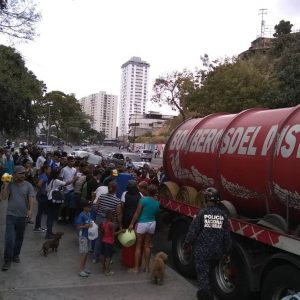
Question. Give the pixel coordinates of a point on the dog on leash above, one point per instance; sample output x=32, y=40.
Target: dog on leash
x=52, y=244
x=158, y=268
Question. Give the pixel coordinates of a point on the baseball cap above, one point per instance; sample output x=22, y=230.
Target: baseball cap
x=114, y=172
x=19, y=169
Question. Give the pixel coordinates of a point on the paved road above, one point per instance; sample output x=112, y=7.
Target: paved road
x=56, y=276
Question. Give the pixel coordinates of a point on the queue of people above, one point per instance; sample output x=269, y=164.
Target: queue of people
x=89, y=193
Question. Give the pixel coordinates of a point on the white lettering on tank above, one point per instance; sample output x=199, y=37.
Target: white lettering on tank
x=251, y=149
x=245, y=139
x=290, y=139
x=174, y=140
x=226, y=140
x=201, y=140
x=195, y=140
x=207, y=144
x=216, y=140
x=281, y=136
x=235, y=140
x=269, y=140
x=181, y=139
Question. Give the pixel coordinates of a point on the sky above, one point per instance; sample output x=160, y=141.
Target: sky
x=83, y=43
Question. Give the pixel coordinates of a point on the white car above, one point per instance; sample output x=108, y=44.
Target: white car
x=146, y=154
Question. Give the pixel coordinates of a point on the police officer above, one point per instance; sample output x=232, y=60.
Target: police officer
x=210, y=237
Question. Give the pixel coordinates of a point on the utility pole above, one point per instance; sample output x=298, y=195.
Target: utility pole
x=262, y=12
x=48, y=132
x=134, y=127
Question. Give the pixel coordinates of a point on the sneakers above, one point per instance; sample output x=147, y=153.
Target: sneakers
x=40, y=229
x=87, y=271
x=110, y=273
x=6, y=265
x=16, y=259
x=83, y=274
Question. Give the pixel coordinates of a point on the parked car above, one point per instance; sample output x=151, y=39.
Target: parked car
x=146, y=154
x=118, y=158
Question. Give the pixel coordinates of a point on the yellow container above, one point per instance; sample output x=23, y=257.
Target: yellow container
x=127, y=238
x=6, y=177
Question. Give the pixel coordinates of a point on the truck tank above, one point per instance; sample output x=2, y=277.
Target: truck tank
x=252, y=157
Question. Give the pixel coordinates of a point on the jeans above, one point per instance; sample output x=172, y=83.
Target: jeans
x=14, y=235
x=98, y=240
x=52, y=211
x=42, y=202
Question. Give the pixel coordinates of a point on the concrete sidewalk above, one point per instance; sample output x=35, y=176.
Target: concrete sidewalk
x=56, y=276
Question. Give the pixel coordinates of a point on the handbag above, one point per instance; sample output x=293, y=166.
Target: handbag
x=57, y=195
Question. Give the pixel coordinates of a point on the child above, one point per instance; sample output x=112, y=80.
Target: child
x=108, y=240
x=84, y=222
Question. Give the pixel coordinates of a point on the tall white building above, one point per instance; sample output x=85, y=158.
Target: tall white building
x=102, y=108
x=134, y=91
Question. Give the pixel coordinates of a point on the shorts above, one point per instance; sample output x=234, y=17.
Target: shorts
x=143, y=228
x=107, y=249
x=83, y=245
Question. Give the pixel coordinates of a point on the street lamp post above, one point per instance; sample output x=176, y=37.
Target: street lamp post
x=134, y=128
x=48, y=132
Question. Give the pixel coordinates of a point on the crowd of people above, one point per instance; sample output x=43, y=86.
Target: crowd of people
x=89, y=193
x=68, y=189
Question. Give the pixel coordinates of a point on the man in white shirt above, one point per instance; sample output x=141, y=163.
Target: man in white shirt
x=67, y=174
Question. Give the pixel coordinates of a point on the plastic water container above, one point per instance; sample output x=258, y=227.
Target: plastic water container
x=122, y=182
x=127, y=238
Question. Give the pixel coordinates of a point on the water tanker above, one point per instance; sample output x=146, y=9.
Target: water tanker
x=253, y=158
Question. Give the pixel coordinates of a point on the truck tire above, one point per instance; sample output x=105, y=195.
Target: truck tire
x=229, y=279
x=184, y=263
x=281, y=281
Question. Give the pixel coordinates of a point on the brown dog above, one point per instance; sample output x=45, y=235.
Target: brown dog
x=158, y=268
x=52, y=244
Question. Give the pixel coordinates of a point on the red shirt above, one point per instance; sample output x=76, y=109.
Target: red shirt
x=108, y=232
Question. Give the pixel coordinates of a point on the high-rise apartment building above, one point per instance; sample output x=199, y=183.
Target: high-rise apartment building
x=102, y=108
x=134, y=91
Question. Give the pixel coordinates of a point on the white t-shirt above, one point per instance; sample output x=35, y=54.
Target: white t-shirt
x=67, y=174
x=124, y=194
x=53, y=185
x=40, y=161
x=100, y=191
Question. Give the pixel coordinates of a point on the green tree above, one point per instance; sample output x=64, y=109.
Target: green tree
x=284, y=27
x=18, y=19
x=286, y=54
x=234, y=86
x=63, y=112
x=18, y=88
x=173, y=90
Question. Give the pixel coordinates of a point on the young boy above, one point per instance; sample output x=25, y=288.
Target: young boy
x=84, y=222
x=108, y=240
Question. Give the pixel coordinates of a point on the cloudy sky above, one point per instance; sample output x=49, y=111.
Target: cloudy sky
x=83, y=43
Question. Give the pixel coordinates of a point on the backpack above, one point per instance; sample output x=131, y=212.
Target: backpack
x=56, y=195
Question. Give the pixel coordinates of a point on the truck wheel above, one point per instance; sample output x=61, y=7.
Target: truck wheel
x=183, y=261
x=229, y=279
x=280, y=282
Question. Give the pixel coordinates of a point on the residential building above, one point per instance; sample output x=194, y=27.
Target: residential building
x=102, y=108
x=140, y=124
x=134, y=91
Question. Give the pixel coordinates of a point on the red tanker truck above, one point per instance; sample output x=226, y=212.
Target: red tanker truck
x=253, y=158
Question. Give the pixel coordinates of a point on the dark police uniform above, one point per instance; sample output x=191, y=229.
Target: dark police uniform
x=209, y=234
